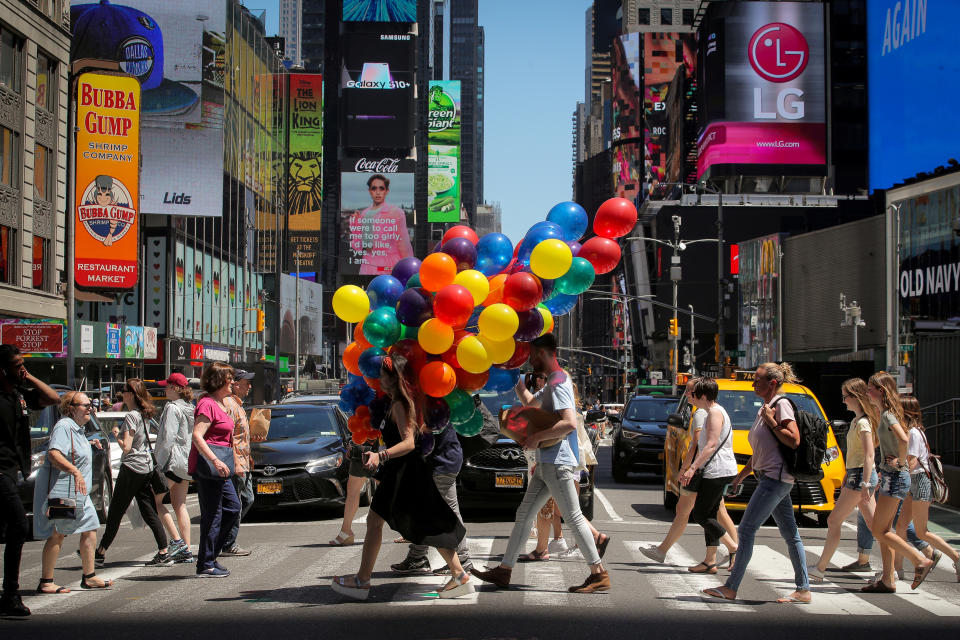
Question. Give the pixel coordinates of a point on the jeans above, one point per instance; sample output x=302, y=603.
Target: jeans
x=243, y=485
x=219, y=509
x=771, y=498
x=14, y=519
x=546, y=480
x=865, y=538
x=706, y=507
x=130, y=485
x=447, y=486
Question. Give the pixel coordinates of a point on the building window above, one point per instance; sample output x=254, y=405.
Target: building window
x=9, y=158
x=643, y=15
x=688, y=16
x=11, y=61
x=41, y=254
x=43, y=176
x=46, y=95
x=7, y=251
x=666, y=16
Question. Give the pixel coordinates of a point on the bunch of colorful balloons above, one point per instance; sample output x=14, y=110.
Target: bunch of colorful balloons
x=465, y=315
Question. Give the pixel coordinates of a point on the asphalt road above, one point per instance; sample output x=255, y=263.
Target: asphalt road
x=283, y=588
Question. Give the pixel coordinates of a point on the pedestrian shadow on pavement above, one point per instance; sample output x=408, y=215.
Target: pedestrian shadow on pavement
x=696, y=598
x=653, y=512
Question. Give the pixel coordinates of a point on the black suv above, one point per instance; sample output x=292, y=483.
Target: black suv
x=638, y=439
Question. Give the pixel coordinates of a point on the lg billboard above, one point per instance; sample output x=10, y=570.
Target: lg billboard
x=763, y=89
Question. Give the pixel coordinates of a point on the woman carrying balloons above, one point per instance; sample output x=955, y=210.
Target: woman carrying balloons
x=407, y=498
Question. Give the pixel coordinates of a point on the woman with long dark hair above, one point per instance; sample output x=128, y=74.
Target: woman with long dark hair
x=407, y=498
x=133, y=480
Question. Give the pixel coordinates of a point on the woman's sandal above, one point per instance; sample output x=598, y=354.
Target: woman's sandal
x=877, y=587
x=44, y=581
x=534, y=556
x=602, y=541
x=400, y=540
x=359, y=590
x=733, y=556
x=921, y=574
x=104, y=584
x=715, y=595
x=343, y=539
x=463, y=587
x=707, y=568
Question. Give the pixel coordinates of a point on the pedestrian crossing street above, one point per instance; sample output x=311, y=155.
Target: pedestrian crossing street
x=292, y=576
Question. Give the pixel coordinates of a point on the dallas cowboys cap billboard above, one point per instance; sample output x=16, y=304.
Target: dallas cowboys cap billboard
x=133, y=38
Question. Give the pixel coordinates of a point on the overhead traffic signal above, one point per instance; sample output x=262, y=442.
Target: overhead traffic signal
x=261, y=319
x=674, y=328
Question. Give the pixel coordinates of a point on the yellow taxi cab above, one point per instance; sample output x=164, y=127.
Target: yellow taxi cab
x=741, y=403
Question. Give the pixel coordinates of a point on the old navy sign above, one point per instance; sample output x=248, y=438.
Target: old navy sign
x=931, y=280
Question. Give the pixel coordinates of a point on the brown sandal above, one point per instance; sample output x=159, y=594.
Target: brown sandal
x=534, y=556
x=707, y=568
x=49, y=581
x=104, y=584
x=921, y=574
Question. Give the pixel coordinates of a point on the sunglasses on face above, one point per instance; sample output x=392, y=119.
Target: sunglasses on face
x=84, y=405
x=845, y=396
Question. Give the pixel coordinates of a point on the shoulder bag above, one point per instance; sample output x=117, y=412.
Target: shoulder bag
x=158, y=481
x=62, y=508
x=224, y=453
x=939, y=490
x=694, y=484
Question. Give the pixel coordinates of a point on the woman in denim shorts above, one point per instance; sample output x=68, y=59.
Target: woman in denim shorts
x=856, y=492
x=916, y=505
x=894, y=485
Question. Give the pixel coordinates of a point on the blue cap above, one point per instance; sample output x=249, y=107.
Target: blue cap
x=115, y=32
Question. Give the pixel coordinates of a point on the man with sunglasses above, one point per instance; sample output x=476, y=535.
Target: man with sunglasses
x=19, y=392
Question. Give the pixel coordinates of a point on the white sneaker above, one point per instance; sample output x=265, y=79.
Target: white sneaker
x=533, y=533
x=653, y=553
x=572, y=552
x=557, y=546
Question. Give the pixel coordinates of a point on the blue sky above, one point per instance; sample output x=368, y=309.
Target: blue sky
x=534, y=78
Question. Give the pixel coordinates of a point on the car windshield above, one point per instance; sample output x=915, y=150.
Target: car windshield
x=742, y=406
x=42, y=420
x=109, y=423
x=650, y=409
x=310, y=423
x=495, y=401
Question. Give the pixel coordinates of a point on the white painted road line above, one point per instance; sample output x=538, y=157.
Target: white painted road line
x=607, y=505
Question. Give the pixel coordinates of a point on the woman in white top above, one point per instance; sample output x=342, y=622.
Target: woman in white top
x=861, y=478
x=718, y=465
x=916, y=506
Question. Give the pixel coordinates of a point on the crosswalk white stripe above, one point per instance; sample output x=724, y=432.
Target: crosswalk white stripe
x=420, y=589
x=607, y=505
x=829, y=599
x=291, y=593
x=676, y=587
x=246, y=573
x=544, y=583
x=922, y=597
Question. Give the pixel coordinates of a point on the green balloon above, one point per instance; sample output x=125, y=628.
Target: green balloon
x=408, y=332
x=471, y=427
x=461, y=406
x=381, y=328
x=577, y=279
x=413, y=282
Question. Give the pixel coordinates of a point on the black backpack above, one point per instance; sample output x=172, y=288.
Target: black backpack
x=805, y=462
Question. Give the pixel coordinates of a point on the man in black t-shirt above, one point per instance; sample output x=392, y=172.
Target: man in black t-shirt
x=19, y=391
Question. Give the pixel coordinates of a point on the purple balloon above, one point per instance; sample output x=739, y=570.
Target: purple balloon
x=531, y=324
x=462, y=251
x=574, y=246
x=436, y=414
x=406, y=267
x=414, y=307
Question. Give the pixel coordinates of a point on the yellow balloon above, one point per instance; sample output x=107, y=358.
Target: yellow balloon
x=475, y=282
x=551, y=259
x=499, y=350
x=498, y=321
x=547, y=320
x=472, y=355
x=351, y=303
x=435, y=336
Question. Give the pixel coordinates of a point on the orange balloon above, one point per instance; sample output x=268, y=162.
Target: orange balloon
x=472, y=382
x=496, y=290
x=351, y=358
x=359, y=338
x=437, y=271
x=437, y=379
x=373, y=383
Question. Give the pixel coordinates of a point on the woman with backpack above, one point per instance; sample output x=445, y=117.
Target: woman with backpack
x=172, y=448
x=916, y=506
x=894, y=485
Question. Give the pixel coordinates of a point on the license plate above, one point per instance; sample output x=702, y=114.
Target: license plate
x=270, y=488
x=509, y=481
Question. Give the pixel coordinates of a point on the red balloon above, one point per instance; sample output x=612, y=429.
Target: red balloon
x=616, y=217
x=360, y=339
x=602, y=253
x=460, y=231
x=373, y=383
x=437, y=379
x=362, y=411
x=522, y=291
x=453, y=305
x=471, y=382
x=412, y=351
x=520, y=355
x=351, y=358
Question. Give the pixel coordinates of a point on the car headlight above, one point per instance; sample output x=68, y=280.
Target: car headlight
x=325, y=464
x=629, y=435
x=831, y=454
x=36, y=461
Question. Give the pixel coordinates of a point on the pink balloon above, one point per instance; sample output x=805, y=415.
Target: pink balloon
x=602, y=253
x=615, y=218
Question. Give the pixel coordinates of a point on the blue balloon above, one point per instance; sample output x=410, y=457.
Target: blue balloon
x=494, y=252
x=570, y=217
x=549, y=290
x=502, y=379
x=384, y=291
x=558, y=305
x=345, y=407
x=535, y=235
x=370, y=361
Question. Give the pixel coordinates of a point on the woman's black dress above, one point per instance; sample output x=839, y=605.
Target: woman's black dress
x=409, y=501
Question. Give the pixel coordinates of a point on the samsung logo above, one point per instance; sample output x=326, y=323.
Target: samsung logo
x=385, y=36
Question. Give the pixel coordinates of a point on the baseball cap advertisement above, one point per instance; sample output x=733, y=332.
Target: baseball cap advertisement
x=171, y=48
x=767, y=60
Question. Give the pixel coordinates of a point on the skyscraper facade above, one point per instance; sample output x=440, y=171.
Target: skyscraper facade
x=465, y=51
x=291, y=12
x=313, y=19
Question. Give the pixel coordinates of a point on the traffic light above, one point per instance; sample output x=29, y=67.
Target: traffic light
x=589, y=370
x=674, y=329
x=261, y=319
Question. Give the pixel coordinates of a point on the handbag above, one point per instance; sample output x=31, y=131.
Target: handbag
x=694, y=484
x=207, y=470
x=158, y=482
x=939, y=490
x=62, y=508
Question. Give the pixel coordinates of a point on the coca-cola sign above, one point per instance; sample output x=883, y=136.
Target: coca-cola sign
x=377, y=165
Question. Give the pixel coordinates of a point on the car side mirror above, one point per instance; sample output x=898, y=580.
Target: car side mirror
x=614, y=418
x=675, y=420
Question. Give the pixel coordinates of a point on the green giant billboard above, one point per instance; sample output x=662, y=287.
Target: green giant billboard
x=443, y=153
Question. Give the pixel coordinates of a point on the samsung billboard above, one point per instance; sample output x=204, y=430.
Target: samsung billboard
x=763, y=89
x=913, y=87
